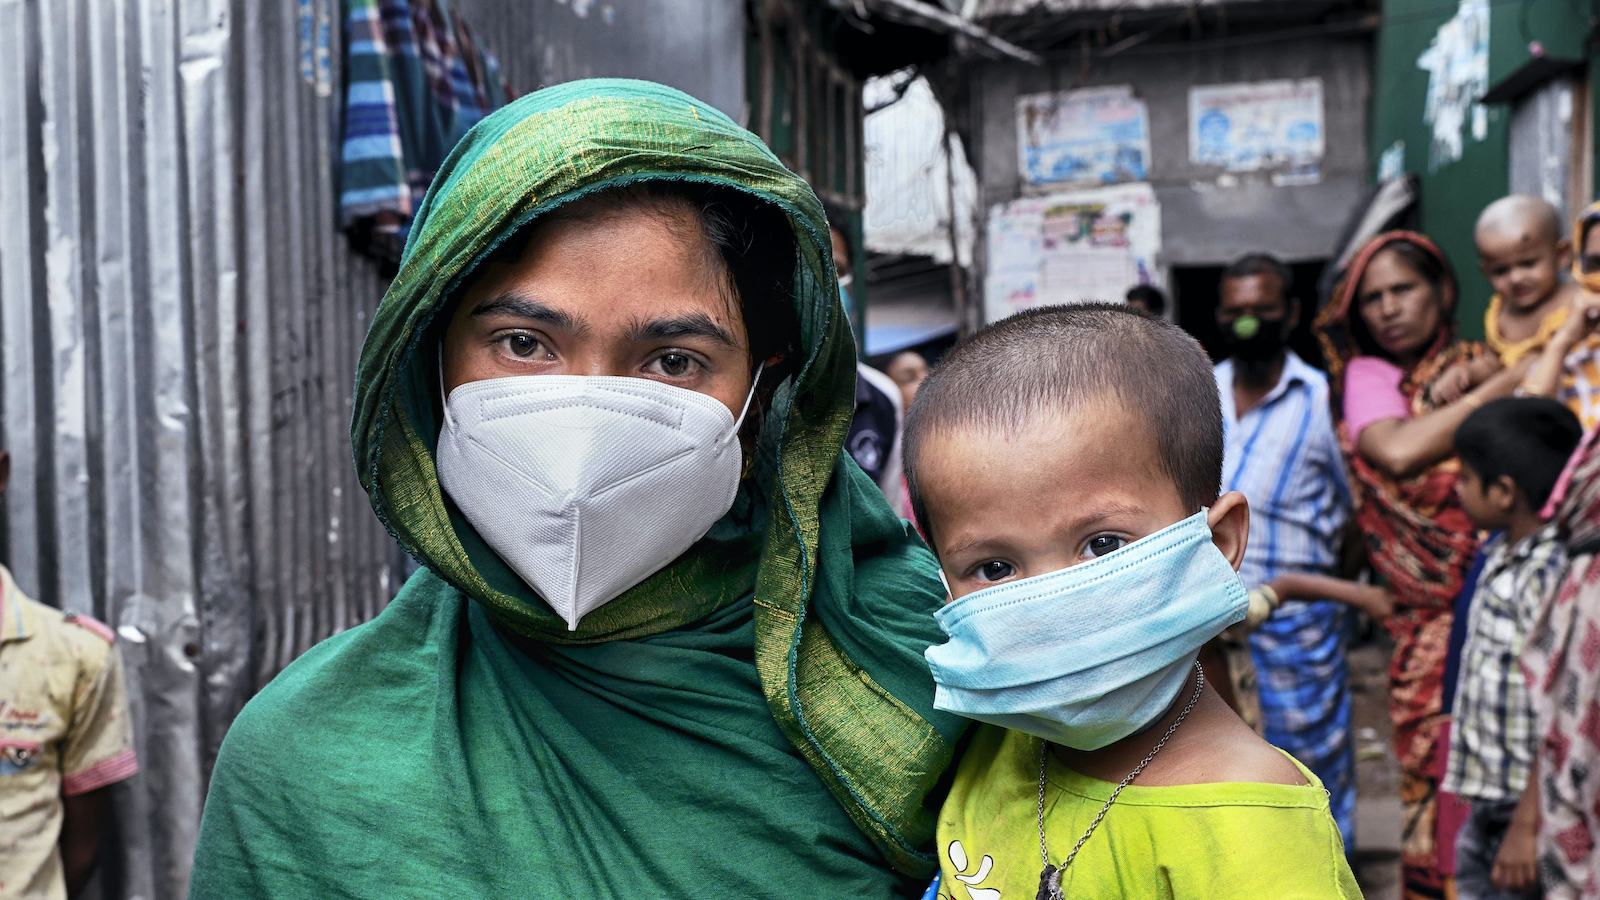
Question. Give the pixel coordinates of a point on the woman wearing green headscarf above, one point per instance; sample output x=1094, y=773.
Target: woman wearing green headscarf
x=668, y=639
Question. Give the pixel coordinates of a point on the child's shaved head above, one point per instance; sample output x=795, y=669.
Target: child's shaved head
x=1521, y=217
x=1522, y=253
x=1063, y=358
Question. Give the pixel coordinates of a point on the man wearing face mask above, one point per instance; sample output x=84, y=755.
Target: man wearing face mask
x=1283, y=455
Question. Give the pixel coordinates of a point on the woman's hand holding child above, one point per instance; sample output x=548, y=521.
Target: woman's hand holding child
x=1462, y=377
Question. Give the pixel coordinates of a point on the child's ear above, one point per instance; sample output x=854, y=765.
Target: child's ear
x=1563, y=255
x=1503, y=493
x=1229, y=519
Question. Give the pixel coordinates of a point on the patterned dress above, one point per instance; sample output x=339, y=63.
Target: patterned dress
x=1561, y=661
x=1579, y=387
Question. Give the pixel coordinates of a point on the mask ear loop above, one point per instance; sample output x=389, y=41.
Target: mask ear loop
x=444, y=395
x=748, y=399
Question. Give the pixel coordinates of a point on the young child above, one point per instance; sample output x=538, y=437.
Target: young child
x=1530, y=319
x=1522, y=252
x=1069, y=488
x=1511, y=452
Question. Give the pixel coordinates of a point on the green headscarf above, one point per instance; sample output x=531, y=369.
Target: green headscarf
x=827, y=591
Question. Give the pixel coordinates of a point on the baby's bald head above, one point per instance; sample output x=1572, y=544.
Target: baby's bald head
x=1522, y=253
x=1519, y=218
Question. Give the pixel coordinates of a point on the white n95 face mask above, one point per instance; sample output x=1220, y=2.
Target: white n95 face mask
x=588, y=484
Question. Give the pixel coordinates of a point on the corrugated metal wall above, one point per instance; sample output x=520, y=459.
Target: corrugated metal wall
x=179, y=325
x=696, y=46
x=179, y=332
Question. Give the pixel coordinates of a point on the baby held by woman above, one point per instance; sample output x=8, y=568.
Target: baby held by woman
x=1065, y=464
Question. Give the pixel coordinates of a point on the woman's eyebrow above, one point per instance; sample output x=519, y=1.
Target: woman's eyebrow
x=691, y=325
x=524, y=307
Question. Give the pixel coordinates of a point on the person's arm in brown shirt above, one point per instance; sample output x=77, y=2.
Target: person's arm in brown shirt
x=82, y=823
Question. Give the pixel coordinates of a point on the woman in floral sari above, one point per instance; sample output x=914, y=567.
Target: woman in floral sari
x=1389, y=336
x=1561, y=661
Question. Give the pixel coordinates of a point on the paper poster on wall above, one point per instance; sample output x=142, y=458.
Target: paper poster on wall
x=1392, y=161
x=1072, y=246
x=1086, y=137
x=1250, y=126
x=1457, y=63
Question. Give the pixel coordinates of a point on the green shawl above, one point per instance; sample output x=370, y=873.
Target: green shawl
x=791, y=636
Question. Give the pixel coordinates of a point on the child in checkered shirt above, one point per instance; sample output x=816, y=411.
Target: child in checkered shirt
x=1512, y=451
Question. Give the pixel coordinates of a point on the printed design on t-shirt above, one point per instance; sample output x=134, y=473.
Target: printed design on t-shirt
x=17, y=757
x=958, y=859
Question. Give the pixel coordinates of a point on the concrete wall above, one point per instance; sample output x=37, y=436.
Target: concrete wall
x=1203, y=222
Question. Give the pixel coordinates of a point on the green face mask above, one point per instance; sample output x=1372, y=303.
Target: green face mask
x=1254, y=339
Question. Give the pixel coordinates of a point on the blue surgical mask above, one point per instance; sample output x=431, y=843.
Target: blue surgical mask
x=1090, y=654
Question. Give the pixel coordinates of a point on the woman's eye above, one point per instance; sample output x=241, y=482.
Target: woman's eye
x=995, y=570
x=675, y=365
x=522, y=346
x=1101, y=544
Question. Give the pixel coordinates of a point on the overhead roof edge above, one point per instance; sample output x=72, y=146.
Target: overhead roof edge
x=929, y=15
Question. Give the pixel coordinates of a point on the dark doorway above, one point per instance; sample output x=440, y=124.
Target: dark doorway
x=1194, y=290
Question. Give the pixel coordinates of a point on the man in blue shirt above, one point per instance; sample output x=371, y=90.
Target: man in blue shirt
x=1282, y=453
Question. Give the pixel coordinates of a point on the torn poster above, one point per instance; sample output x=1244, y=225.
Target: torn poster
x=1392, y=162
x=1073, y=246
x=1249, y=126
x=1086, y=137
x=1457, y=63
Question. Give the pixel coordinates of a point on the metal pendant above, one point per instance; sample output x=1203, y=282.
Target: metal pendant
x=1050, y=884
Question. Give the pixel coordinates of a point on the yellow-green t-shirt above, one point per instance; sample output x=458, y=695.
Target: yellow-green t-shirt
x=1210, y=841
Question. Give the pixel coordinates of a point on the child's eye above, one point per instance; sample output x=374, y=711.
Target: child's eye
x=995, y=570
x=1101, y=544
